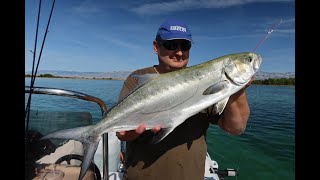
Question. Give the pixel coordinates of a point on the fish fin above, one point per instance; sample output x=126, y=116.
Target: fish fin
x=216, y=87
x=219, y=107
x=73, y=133
x=90, y=143
x=161, y=135
x=89, y=149
x=144, y=78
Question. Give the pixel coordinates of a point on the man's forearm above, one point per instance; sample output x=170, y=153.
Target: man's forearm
x=236, y=114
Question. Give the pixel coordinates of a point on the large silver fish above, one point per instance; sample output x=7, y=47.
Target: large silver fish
x=168, y=100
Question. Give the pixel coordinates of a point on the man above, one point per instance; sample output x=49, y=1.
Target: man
x=181, y=155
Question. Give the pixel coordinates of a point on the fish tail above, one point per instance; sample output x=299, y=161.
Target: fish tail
x=90, y=143
x=89, y=151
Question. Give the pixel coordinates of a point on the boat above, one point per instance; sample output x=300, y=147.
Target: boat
x=54, y=159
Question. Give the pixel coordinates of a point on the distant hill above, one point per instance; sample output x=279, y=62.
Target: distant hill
x=260, y=75
x=123, y=74
x=113, y=74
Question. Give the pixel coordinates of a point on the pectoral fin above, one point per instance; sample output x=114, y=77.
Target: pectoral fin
x=220, y=86
x=161, y=135
x=219, y=107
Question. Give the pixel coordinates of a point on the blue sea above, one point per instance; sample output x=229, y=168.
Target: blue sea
x=265, y=151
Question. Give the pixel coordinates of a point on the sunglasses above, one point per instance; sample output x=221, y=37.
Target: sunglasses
x=173, y=45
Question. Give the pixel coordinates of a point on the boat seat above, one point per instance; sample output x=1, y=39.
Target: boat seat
x=44, y=151
x=58, y=158
x=61, y=172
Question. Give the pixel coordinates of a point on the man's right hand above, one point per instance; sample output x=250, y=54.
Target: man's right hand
x=134, y=134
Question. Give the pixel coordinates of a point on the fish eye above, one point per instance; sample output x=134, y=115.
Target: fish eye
x=249, y=59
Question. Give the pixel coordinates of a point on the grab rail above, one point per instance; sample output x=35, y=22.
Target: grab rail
x=68, y=93
x=86, y=97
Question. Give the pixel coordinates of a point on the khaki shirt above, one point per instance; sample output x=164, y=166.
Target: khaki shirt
x=181, y=155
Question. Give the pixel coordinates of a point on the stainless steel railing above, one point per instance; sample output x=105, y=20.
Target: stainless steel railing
x=86, y=97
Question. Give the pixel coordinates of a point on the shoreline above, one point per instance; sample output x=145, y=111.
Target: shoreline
x=123, y=79
x=88, y=78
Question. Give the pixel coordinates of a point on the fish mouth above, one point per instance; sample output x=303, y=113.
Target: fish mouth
x=257, y=62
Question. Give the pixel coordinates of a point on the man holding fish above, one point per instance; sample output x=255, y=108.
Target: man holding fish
x=181, y=154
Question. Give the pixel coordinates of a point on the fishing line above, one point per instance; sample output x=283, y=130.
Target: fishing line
x=268, y=34
x=275, y=25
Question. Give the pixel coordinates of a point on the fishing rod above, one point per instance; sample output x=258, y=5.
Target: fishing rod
x=34, y=73
x=268, y=34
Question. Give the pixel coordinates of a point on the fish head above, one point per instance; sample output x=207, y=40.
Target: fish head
x=239, y=68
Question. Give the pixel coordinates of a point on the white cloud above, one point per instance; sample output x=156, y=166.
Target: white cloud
x=180, y=5
x=123, y=43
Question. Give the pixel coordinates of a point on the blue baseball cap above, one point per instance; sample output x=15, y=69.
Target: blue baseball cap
x=174, y=29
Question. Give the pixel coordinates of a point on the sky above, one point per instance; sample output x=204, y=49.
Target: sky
x=113, y=35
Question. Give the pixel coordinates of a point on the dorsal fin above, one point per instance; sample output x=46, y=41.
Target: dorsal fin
x=142, y=80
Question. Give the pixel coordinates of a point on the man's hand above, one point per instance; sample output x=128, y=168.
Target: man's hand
x=134, y=134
